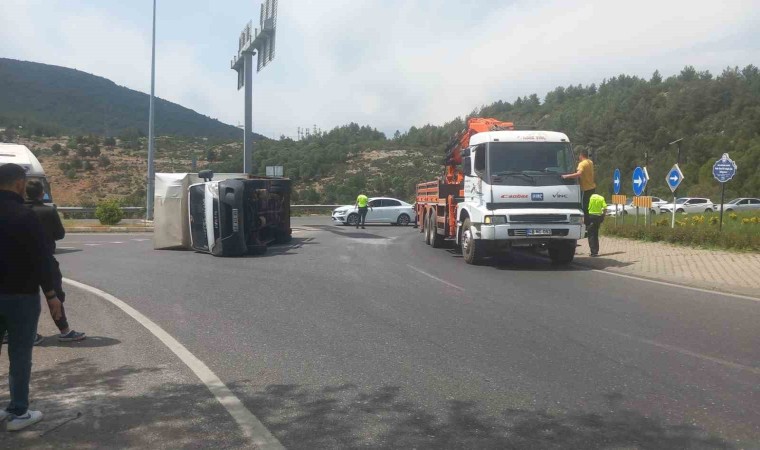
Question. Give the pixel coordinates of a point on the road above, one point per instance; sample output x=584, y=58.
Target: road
x=352, y=338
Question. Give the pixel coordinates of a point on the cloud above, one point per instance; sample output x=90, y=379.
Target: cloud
x=390, y=63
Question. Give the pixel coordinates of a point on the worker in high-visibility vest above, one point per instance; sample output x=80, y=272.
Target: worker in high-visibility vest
x=361, y=204
x=596, y=208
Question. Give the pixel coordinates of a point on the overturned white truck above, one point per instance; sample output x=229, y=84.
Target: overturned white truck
x=231, y=215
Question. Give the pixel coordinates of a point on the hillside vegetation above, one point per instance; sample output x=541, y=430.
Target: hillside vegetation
x=620, y=121
x=52, y=100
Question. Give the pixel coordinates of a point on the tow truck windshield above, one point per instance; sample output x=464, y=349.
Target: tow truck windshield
x=529, y=163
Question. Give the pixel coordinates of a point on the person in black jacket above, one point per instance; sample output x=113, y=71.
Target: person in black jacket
x=25, y=266
x=54, y=231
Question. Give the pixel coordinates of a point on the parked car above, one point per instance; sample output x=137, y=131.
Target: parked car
x=381, y=210
x=740, y=204
x=630, y=209
x=689, y=205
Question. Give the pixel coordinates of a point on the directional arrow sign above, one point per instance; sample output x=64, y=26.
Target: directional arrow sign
x=674, y=177
x=616, y=181
x=639, y=181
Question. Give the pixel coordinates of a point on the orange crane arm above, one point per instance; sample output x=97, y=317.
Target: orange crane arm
x=461, y=140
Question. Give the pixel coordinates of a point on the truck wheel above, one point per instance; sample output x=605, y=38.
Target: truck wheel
x=436, y=240
x=472, y=249
x=352, y=219
x=562, y=254
x=426, y=229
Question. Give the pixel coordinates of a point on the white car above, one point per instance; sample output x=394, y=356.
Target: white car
x=657, y=202
x=689, y=205
x=740, y=204
x=381, y=210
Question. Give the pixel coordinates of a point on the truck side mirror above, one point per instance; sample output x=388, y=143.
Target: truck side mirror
x=467, y=165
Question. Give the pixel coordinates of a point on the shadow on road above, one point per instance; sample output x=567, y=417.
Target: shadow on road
x=90, y=342
x=90, y=408
x=63, y=251
x=354, y=234
x=125, y=407
x=346, y=417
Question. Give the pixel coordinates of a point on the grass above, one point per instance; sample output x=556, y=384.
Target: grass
x=740, y=231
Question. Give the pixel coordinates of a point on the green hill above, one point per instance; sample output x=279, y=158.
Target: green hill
x=54, y=100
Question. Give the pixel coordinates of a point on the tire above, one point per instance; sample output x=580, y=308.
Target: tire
x=403, y=220
x=282, y=237
x=708, y=211
x=472, y=249
x=652, y=212
x=729, y=210
x=426, y=229
x=436, y=240
x=352, y=219
x=624, y=213
x=562, y=254
x=680, y=210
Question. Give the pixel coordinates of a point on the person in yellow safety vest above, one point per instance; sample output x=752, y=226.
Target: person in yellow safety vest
x=361, y=203
x=596, y=208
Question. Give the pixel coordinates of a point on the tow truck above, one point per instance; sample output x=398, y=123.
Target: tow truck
x=502, y=188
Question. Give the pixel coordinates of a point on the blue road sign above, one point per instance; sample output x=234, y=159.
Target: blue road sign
x=616, y=181
x=724, y=169
x=639, y=181
x=674, y=177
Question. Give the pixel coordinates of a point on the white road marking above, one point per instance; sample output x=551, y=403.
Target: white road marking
x=435, y=278
x=251, y=427
x=139, y=240
x=683, y=351
x=117, y=242
x=92, y=245
x=680, y=286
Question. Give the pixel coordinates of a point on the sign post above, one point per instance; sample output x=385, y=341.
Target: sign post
x=674, y=179
x=639, y=184
x=616, y=190
x=724, y=170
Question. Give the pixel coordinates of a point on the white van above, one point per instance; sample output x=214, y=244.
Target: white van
x=21, y=155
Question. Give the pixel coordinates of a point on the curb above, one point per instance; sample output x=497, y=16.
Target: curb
x=109, y=230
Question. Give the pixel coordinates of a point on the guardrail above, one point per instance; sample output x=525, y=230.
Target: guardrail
x=83, y=212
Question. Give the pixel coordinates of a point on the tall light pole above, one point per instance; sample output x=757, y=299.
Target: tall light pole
x=254, y=41
x=151, y=168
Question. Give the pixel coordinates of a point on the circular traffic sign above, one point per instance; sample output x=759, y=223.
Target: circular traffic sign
x=639, y=181
x=724, y=169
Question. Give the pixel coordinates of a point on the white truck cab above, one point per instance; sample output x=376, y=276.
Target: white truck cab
x=21, y=155
x=514, y=194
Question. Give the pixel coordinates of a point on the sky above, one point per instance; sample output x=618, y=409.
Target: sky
x=390, y=64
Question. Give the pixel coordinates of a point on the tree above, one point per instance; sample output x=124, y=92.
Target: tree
x=94, y=150
x=210, y=155
x=109, y=142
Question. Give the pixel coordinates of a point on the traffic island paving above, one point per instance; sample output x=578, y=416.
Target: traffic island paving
x=722, y=271
x=119, y=388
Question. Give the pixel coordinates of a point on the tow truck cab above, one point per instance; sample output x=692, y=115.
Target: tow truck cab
x=514, y=194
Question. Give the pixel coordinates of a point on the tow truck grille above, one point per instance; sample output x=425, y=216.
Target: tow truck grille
x=524, y=232
x=538, y=218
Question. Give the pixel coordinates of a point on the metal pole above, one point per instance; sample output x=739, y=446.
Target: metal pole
x=673, y=221
x=722, y=199
x=248, y=137
x=151, y=167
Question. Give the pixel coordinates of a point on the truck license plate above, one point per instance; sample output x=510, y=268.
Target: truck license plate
x=539, y=232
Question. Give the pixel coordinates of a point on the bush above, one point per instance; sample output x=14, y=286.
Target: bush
x=76, y=164
x=56, y=148
x=104, y=161
x=109, y=142
x=71, y=174
x=109, y=212
x=88, y=166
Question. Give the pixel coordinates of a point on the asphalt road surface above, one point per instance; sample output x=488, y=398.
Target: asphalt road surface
x=349, y=338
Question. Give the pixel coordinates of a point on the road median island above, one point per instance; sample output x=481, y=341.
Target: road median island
x=716, y=270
